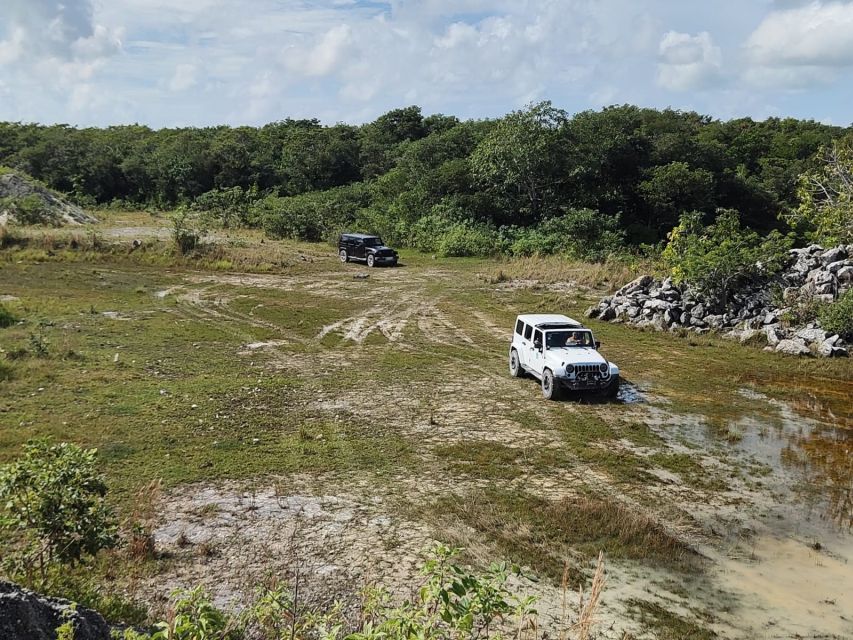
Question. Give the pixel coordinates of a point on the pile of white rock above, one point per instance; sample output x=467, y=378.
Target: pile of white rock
x=762, y=311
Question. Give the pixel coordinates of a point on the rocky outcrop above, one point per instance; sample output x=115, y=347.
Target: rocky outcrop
x=753, y=314
x=25, y=615
x=15, y=186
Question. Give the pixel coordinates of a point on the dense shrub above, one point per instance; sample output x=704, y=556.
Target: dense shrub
x=837, y=317
x=228, y=207
x=578, y=233
x=314, y=217
x=468, y=239
x=720, y=258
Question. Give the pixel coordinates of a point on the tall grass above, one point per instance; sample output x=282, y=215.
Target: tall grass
x=610, y=274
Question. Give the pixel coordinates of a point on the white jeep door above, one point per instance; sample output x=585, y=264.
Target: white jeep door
x=535, y=354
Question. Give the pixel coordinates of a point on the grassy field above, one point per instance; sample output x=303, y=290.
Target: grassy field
x=269, y=362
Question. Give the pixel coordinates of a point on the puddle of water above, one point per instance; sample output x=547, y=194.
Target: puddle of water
x=786, y=552
x=810, y=460
x=631, y=394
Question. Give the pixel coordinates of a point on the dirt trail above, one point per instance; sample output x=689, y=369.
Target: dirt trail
x=344, y=534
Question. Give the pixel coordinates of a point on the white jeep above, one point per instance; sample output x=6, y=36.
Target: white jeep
x=562, y=354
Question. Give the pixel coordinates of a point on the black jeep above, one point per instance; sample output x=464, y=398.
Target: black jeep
x=359, y=246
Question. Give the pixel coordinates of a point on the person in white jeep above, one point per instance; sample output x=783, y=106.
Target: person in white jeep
x=562, y=354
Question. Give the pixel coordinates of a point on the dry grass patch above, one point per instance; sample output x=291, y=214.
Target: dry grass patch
x=549, y=270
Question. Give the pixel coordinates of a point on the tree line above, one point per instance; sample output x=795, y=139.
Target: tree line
x=529, y=182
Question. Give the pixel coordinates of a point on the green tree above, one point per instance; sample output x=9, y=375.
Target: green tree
x=53, y=503
x=826, y=195
x=671, y=189
x=523, y=157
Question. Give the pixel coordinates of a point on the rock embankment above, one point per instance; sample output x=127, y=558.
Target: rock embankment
x=25, y=615
x=765, y=311
x=16, y=187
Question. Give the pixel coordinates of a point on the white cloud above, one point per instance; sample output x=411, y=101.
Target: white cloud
x=12, y=48
x=819, y=34
x=323, y=57
x=185, y=77
x=212, y=61
x=51, y=51
x=688, y=62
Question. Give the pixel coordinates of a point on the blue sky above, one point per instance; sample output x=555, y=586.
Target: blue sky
x=202, y=62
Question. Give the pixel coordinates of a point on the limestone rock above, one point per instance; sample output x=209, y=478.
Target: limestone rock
x=25, y=615
x=794, y=347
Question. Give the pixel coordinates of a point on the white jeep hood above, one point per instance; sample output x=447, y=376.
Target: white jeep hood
x=573, y=355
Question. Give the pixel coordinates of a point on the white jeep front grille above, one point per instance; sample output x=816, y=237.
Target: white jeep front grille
x=586, y=368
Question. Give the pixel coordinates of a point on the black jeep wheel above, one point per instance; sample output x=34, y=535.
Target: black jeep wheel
x=370, y=260
x=515, y=369
x=612, y=390
x=343, y=255
x=550, y=390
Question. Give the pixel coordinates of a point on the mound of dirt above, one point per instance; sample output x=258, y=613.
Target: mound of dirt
x=25, y=201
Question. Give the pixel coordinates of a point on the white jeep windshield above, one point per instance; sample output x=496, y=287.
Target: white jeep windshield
x=555, y=339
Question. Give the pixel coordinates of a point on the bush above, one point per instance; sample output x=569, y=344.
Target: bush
x=188, y=229
x=719, y=259
x=468, y=239
x=837, y=317
x=7, y=318
x=578, y=233
x=53, y=501
x=228, y=207
x=313, y=217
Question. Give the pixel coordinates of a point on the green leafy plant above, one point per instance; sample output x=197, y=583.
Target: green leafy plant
x=65, y=631
x=720, y=258
x=53, y=502
x=39, y=345
x=837, y=317
x=452, y=603
x=193, y=616
x=188, y=229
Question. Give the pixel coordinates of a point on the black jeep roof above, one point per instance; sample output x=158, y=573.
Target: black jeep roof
x=358, y=235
